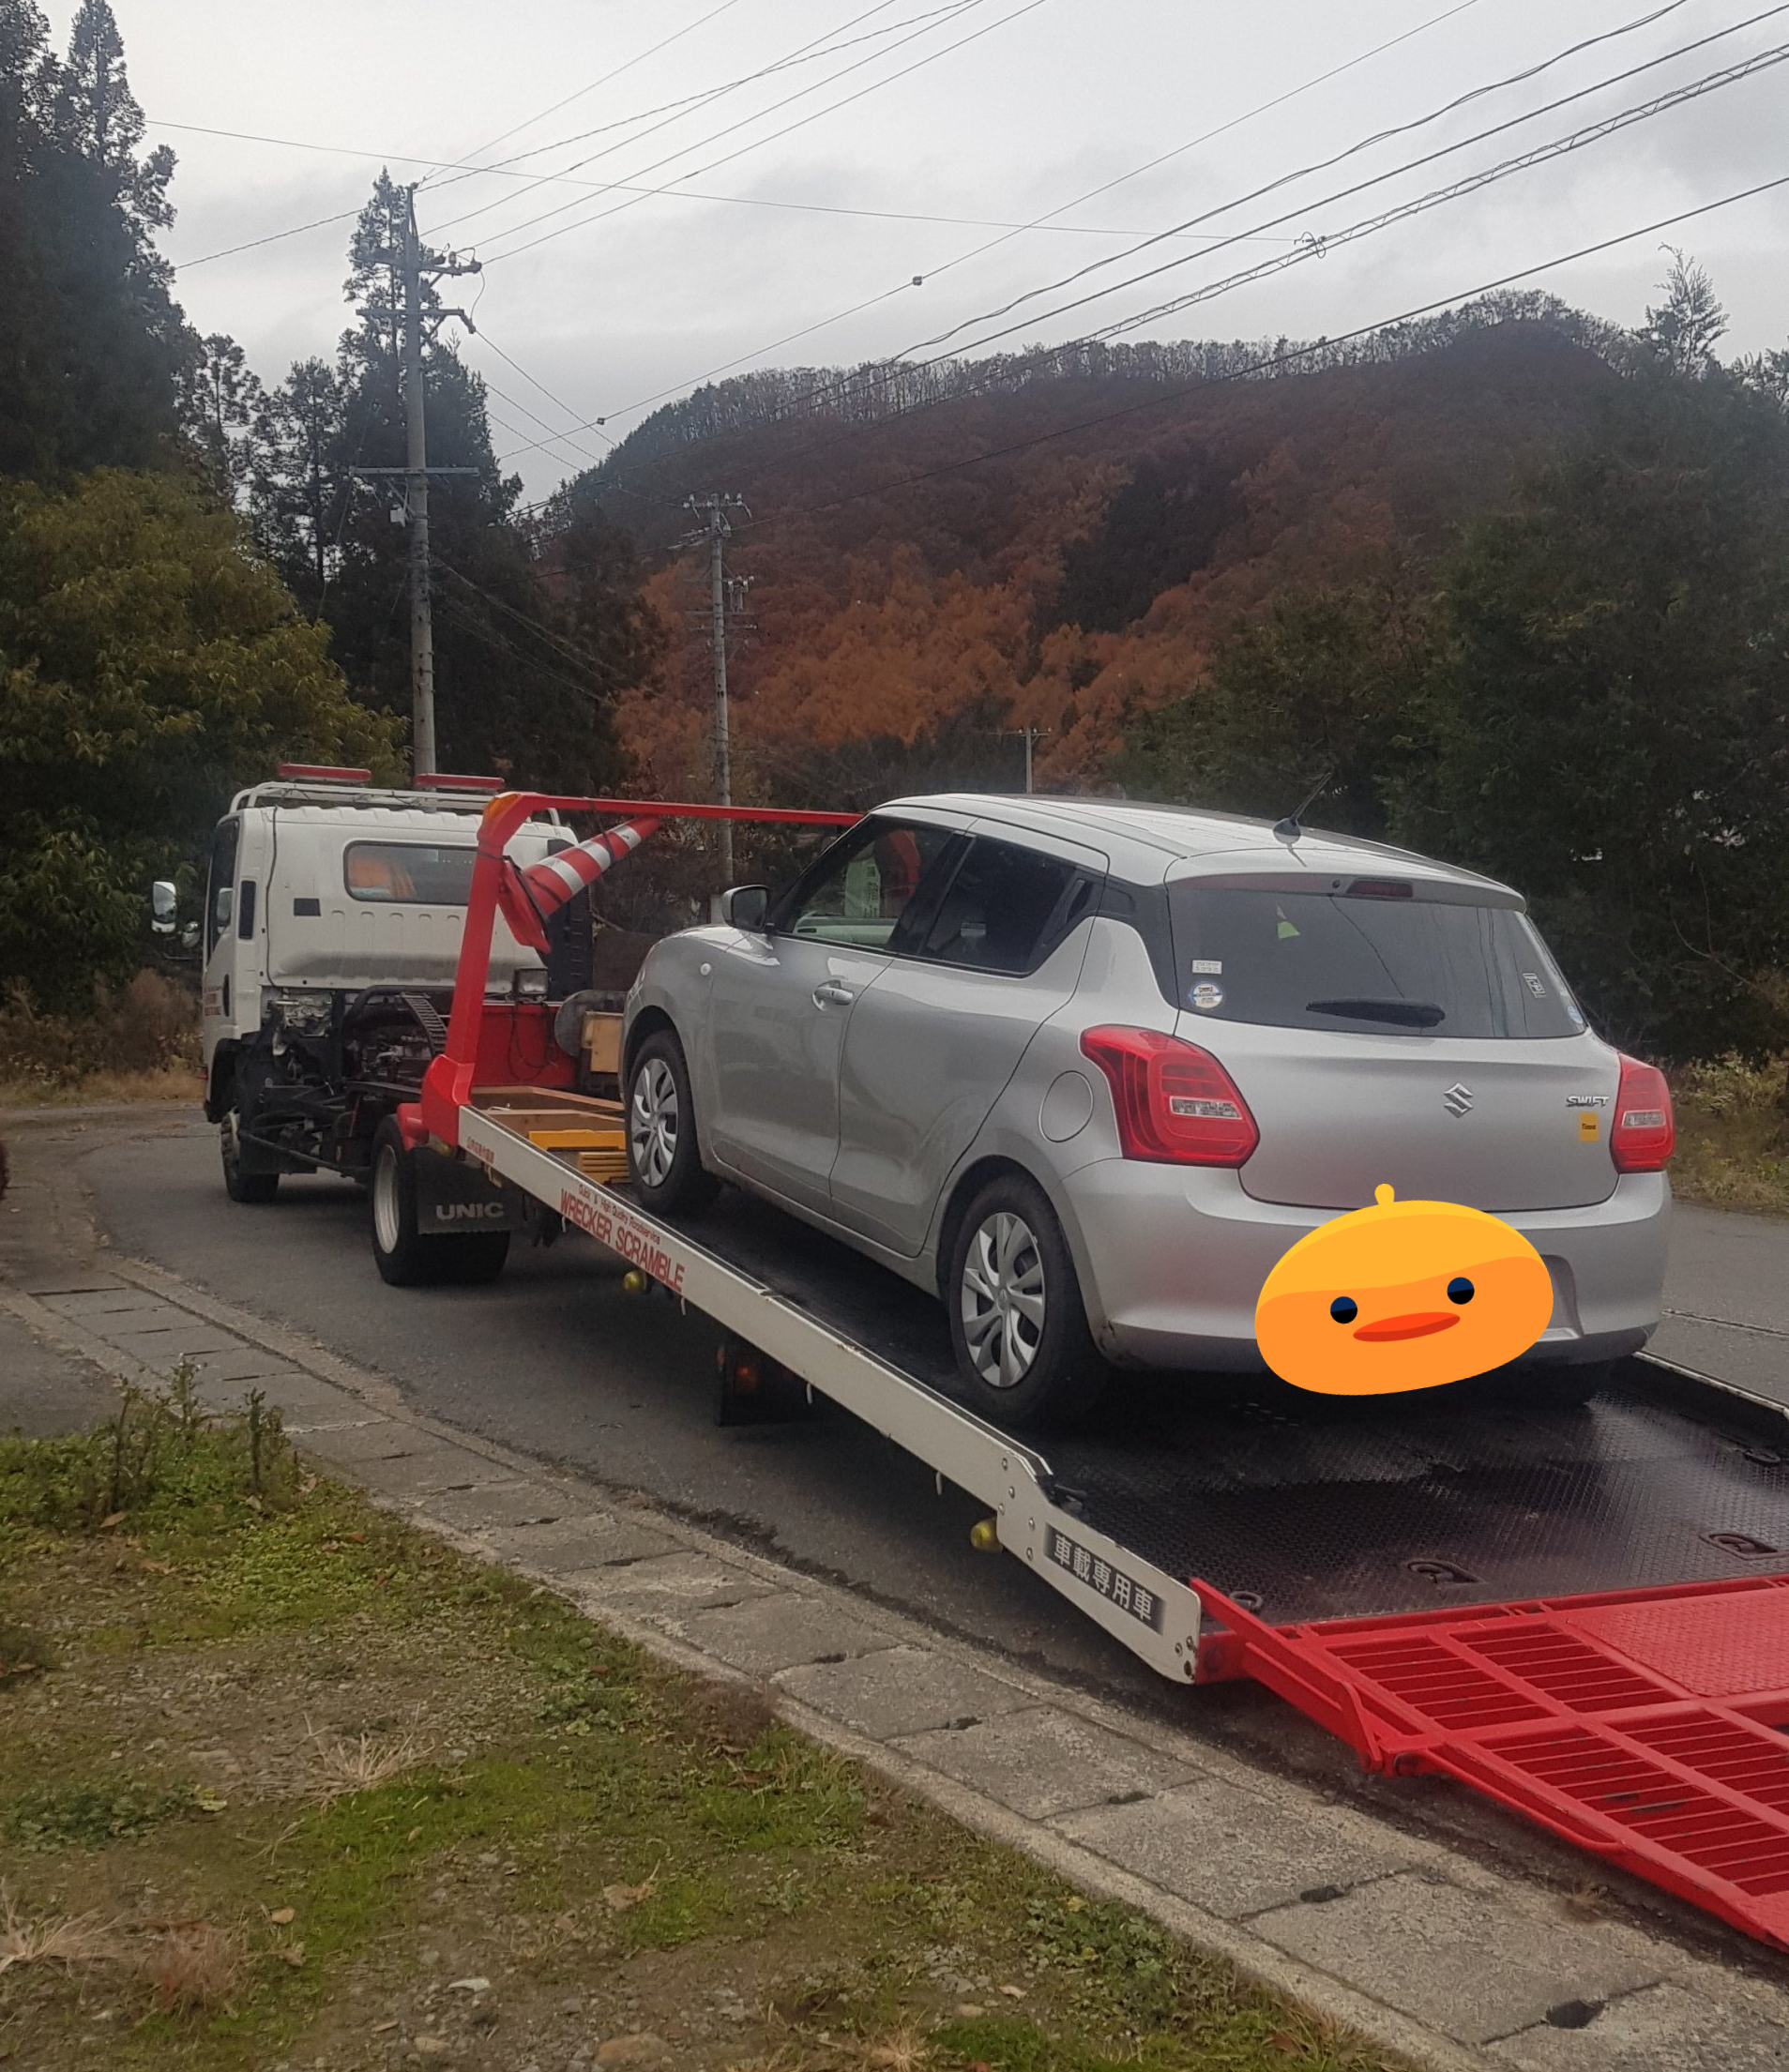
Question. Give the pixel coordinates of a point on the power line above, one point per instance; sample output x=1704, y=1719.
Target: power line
x=894, y=369
x=1290, y=355
x=898, y=360
x=652, y=51
x=815, y=45
x=1411, y=165
x=804, y=54
x=757, y=143
x=466, y=167
x=678, y=192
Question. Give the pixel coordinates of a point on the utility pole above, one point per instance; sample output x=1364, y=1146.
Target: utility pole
x=1030, y=736
x=418, y=264
x=712, y=511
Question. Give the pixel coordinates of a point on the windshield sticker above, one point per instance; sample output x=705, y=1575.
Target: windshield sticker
x=1212, y=964
x=1205, y=996
x=1286, y=931
x=1534, y=985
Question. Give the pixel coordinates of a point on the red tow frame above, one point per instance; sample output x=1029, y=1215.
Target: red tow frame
x=448, y=1085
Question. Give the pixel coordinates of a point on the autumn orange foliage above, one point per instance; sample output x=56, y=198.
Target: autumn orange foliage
x=901, y=579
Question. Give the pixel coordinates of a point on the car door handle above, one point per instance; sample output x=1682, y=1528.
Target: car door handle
x=834, y=993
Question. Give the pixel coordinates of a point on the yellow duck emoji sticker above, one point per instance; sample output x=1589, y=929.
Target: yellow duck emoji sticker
x=1402, y=1295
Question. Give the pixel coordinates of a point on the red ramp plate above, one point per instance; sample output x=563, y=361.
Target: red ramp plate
x=1647, y=1726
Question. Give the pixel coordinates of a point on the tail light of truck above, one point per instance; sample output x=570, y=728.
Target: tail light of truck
x=1646, y=1132
x=1175, y=1104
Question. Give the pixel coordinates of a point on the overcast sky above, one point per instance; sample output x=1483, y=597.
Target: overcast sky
x=984, y=112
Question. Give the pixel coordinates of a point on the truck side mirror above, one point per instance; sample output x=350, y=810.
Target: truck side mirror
x=163, y=905
x=746, y=906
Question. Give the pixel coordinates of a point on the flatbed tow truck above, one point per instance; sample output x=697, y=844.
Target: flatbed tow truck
x=1582, y=1615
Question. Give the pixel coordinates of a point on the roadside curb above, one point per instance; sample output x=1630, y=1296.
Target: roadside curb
x=1432, y=1957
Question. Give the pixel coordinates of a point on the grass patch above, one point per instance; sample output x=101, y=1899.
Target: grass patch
x=440, y=1814
x=1733, y=1135
x=88, y=1816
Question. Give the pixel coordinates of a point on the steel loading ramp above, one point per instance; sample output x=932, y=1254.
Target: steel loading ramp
x=1647, y=1726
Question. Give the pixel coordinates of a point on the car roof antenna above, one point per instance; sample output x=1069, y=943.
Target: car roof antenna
x=1292, y=827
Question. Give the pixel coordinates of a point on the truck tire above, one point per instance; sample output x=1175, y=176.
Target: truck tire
x=664, y=1158
x=405, y=1257
x=1025, y=1353
x=239, y=1184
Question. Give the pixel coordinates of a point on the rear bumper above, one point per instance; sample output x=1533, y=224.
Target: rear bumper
x=1172, y=1261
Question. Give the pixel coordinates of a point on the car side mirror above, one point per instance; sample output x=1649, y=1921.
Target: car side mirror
x=746, y=906
x=163, y=905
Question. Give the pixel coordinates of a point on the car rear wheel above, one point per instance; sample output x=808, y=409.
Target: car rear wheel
x=240, y=1183
x=405, y=1257
x=1017, y=1321
x=664, y=1159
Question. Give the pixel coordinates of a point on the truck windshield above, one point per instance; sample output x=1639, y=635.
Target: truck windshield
x=413, y=873
x=1385, y=960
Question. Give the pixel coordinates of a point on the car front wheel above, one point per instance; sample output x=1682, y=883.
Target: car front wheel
x=664, y=1160
x=1017, y=1321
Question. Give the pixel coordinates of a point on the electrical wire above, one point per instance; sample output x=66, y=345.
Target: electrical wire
x=815, y=45
x=1286, y=356
x=471, y=170
x=805, y=53
x=932, y=57
x=652, y=51
x=1470, y=182
x=897, y=361
x=1532, y=115
x=675, y=193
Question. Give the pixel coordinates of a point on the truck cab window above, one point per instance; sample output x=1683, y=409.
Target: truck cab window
x=409, y=873
x=221, y=895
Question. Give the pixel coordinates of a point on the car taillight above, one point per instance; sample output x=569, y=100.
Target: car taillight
x=1645, y=1133
x=1174, y=1102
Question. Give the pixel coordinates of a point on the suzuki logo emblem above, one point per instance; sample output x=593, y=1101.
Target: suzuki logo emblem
x=1457, y=1100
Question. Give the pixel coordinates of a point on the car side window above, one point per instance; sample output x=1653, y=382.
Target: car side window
x=863, y=889
x=221, y=895
x=1007, y=908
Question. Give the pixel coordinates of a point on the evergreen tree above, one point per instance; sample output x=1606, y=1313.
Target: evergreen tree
x=91, y=343
x=1682, y=331
x=224, y=411
x=524, y=682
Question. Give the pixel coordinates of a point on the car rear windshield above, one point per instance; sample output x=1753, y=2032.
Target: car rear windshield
x=1383, y=959
x=412, y=874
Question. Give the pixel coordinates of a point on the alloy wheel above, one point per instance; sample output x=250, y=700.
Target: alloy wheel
x=1002, y=1299
x=652, y=1122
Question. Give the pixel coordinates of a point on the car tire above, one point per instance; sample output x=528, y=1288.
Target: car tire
x=665, y=1155
x=405, y=1257
x=1025, y=1353
x=239, y=1184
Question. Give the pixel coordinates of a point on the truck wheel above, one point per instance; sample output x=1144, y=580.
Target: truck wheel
x=405, y=1257
x=238, y=1184
x=664, y=1160
x=1017, y=1321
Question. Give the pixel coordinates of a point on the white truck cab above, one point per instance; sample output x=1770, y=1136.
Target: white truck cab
x=319, y=888
x=333, y=914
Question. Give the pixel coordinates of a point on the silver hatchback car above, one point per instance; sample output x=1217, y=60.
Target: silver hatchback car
x=1085, y=1070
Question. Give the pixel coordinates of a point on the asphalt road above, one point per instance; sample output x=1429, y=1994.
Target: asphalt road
x=555, y=1360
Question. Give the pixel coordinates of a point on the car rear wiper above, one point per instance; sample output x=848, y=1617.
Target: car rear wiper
x=1409, y=1014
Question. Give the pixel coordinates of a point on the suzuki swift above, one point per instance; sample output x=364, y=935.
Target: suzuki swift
x=1085, y=1070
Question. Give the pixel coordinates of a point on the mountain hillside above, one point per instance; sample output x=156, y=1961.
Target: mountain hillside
x=1052, y=540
